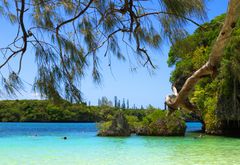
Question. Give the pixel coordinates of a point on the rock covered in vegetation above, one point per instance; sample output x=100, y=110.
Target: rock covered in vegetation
x=156, y=123
x=117, y=127
x=218, y=98
x=133, y=122
x=159, y=124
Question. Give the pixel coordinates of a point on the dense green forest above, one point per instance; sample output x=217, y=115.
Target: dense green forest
x=47, y=111
x=217, y=97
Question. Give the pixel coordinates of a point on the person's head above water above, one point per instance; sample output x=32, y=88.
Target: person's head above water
x=65, y=138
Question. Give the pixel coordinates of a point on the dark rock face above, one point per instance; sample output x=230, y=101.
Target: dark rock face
x=118, y=127
x=227, y=128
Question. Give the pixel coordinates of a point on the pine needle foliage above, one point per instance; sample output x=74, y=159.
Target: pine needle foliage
x=68, y=34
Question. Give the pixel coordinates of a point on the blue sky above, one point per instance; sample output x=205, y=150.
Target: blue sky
x=141, y=88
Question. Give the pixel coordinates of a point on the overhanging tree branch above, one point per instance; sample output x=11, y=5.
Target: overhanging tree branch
x=233, y=14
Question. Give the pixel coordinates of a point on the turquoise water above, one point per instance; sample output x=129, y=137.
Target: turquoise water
x=19, y=145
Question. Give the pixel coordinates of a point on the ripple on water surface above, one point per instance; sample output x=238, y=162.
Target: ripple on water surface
x=42, y=143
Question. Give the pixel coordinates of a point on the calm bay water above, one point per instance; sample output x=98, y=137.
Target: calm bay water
x=42, y=144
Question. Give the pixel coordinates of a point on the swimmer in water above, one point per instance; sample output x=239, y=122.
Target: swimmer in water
x=200, y=136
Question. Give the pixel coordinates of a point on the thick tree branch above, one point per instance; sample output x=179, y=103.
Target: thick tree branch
x=233, y=14
x=25, y=34
x=22, y=49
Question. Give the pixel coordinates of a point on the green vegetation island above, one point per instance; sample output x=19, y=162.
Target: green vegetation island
x=150, y=121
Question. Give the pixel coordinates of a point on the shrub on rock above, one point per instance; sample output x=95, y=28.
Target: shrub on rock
x=117, y=127
x=159, y=123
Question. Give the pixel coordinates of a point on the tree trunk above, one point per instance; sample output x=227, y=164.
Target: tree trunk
x=180, y=99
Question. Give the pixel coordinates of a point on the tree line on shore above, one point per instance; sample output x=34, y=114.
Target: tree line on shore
x=149, y=121
x=47, y=111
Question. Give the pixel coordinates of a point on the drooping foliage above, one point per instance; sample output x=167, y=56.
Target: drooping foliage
x=68, y=34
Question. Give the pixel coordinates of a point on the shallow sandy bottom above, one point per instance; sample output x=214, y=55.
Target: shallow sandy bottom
x=19, y=145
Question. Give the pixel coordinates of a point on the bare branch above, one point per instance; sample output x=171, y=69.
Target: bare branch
x=168, y=13
x=74, y=18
